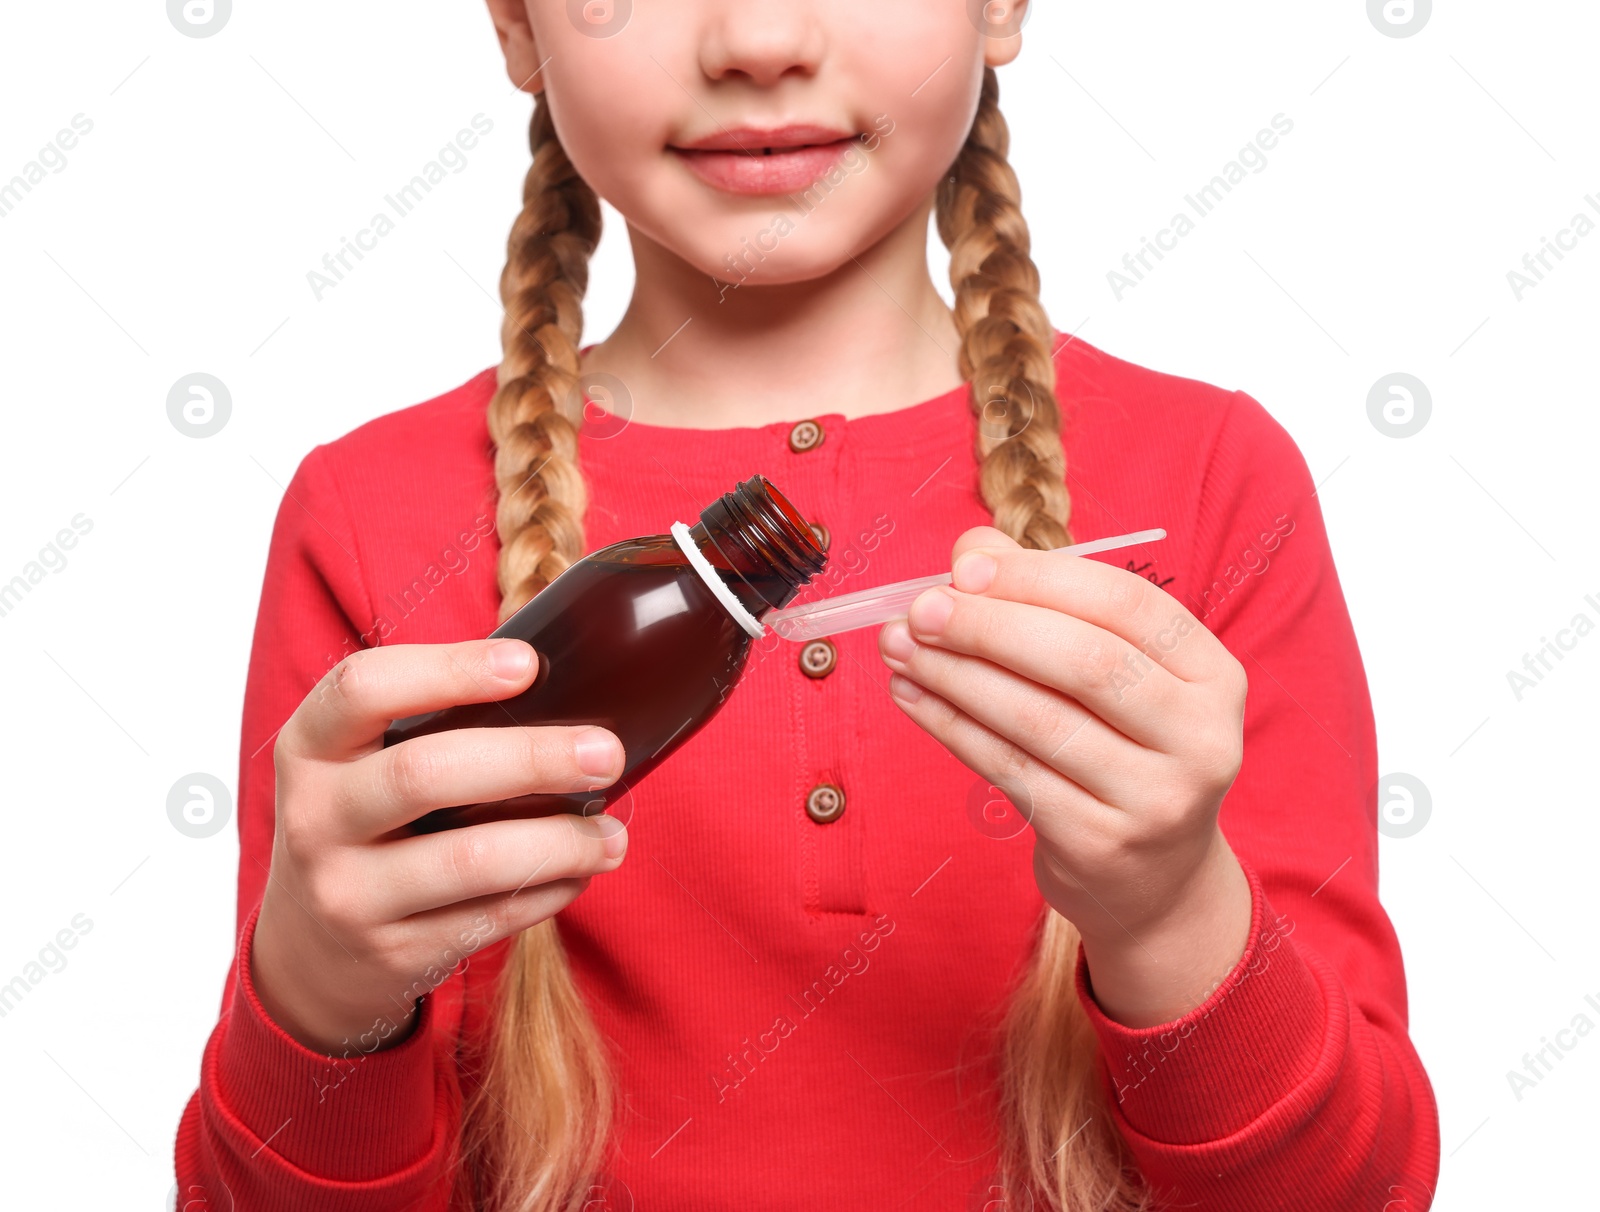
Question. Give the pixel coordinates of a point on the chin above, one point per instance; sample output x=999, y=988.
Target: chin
x=775, y=249
x=781, y=267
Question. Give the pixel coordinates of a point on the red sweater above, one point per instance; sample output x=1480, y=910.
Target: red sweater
x=801, y=1015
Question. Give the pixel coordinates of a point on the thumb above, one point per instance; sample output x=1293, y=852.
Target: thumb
x=981, y=536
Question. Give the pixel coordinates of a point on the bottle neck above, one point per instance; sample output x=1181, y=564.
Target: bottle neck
x=757, y=536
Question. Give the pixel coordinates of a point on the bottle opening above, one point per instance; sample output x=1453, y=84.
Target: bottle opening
x=800, y=525
x=765, y=540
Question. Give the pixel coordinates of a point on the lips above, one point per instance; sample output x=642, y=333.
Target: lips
x=771, y=160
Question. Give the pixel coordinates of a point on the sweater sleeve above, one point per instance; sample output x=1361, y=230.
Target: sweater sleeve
x=1294, y=1084
x=274, y=1124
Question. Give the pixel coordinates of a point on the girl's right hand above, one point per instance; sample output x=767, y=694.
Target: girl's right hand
x=357, y=910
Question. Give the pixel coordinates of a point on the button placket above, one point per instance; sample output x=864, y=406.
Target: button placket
x=832, y=825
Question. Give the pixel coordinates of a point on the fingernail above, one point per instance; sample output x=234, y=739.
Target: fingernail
x=612, y=838
x=897, y=642
x=930, y=612
x=904, y=689
x=510, y=659
x=596, y=752
x=974, y=572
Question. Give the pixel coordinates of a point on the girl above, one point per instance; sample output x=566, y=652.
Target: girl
x=827, y=974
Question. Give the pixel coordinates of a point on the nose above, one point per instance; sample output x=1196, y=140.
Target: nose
x=762, y=41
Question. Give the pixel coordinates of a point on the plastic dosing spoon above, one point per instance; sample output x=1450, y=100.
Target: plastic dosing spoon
x=830, y=616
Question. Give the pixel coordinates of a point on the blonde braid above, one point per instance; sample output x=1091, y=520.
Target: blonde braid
x=1057, y=1137
x=537, y=409
x=534, y=1133
x=1005, y=335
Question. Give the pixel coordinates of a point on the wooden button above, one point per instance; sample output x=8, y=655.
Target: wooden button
x=820, y=533
x=806, y=435
x=818, y=658
x=825, y=803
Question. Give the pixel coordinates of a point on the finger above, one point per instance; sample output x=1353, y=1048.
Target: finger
x=1049, y=725
x=348, y=711
x=1031, y=785
x=1122, y=602
x=982, y=536
x=1098, y=668
x=395, y=786
x=432, y=870
x=457, y=931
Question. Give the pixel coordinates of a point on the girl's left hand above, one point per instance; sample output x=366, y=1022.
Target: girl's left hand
x=1114, y=721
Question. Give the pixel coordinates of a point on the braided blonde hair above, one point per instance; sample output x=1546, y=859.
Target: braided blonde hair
x=534, y=1131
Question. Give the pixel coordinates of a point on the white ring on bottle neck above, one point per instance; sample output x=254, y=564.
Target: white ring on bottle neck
x=715, y=583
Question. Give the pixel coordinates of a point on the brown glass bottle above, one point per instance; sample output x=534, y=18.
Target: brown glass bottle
x=632, y=639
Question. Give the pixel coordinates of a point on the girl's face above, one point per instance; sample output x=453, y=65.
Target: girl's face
x=668, y=110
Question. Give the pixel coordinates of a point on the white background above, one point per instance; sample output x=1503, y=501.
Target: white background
x=1378, y=239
